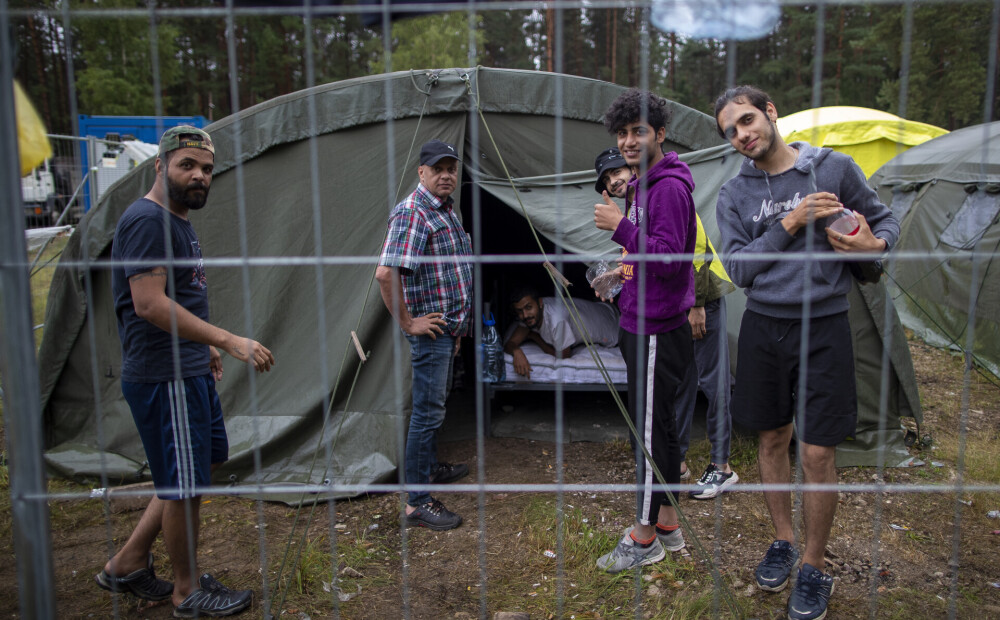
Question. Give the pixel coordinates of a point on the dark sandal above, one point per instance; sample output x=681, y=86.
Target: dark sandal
x=142, y=583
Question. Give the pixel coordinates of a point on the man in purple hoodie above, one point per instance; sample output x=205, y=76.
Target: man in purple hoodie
x=655, y=337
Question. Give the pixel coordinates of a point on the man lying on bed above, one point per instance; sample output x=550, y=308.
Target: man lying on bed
x=547, y=322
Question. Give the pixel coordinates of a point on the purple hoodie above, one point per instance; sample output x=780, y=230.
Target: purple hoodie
x=662, y=221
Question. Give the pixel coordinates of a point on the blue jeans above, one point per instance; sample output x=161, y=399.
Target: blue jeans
x=432, y=361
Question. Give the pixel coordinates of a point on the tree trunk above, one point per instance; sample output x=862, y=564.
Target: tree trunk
x=840, y=57
x=672, y=55
x=550, y=35
x=39, y=61
x=614, y=46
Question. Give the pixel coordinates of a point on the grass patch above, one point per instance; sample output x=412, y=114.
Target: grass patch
x=6, y=519
x=981, y=462
x=677, y=587
x=41, y=281
x=313, y=579
x=908, y=603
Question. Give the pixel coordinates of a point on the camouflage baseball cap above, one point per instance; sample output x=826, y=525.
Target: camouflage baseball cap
x=185, y=136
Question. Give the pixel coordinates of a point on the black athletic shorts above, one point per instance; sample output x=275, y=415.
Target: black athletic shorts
x=767, y=377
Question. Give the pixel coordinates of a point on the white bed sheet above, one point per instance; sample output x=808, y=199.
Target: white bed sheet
x=578, y=368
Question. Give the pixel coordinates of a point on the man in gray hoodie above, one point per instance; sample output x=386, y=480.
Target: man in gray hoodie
x=795, y=358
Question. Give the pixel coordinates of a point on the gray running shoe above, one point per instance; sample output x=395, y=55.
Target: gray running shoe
x=713, y=482
x=213, y=599
x=674, y=541
x=628, y=555
x=810, y=595
x=773, y=571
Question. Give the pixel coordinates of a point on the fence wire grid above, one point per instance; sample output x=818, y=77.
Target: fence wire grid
x=572, y=589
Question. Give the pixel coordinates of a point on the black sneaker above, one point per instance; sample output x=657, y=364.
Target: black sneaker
x=142, y=583
x=809, y=596
x=773, y=571
x=435, y=516
x=443, y=473
x=213, y=599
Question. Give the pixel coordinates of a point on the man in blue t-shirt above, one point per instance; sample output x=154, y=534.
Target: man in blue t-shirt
x=169, y=368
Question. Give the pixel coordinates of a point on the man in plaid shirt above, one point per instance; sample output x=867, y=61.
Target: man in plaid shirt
x=429, y=293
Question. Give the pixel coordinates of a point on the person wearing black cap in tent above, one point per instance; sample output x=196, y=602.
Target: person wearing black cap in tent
x=431, y=301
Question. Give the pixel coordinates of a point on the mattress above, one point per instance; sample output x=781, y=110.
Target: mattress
x=578, y=368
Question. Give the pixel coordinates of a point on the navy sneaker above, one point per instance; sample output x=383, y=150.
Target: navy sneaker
x=773, y=571
x=435, y=516
x=213, y=599
x=810, y=595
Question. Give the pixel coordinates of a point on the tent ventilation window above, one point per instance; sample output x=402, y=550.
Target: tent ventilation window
x=902, y=199
x=976, y=214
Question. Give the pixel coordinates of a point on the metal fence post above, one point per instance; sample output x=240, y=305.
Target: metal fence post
x=19, y=368
x=91, y=178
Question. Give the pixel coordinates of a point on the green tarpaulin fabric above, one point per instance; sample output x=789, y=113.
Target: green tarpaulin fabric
x=291, y=233
x=946, y=193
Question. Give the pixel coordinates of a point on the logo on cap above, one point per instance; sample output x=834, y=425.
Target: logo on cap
x=434, y=151
x=185, y=137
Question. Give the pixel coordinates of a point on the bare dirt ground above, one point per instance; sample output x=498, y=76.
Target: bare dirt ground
x=911, y=572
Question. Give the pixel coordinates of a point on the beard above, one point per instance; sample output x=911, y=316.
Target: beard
x=187, y=196
x=770, y=141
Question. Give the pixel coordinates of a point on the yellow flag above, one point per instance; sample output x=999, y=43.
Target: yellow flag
x=31, y=139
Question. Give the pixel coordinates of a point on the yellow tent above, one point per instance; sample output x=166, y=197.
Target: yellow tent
x=871, y=137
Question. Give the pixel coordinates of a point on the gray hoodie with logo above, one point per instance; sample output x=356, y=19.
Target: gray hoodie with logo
x=749, y=211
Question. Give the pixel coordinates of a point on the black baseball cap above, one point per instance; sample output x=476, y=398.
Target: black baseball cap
x=609, y=159
x=434, y=151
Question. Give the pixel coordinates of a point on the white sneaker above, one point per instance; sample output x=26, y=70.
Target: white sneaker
x=713, y=482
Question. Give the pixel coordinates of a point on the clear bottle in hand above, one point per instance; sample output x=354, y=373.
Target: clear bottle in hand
x=605, y=279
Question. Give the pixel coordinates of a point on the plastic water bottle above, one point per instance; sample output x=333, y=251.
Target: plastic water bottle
x=604, y=278
x=492, y=352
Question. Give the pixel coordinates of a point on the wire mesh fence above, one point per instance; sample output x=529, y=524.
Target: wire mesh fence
x=310, y=511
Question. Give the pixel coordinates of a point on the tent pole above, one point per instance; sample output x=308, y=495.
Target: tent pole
x=18, y=367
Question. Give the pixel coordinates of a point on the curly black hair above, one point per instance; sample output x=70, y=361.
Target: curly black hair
x=741, y=94
x=634, y=105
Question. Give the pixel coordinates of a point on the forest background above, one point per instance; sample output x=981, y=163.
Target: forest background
x=866, y=57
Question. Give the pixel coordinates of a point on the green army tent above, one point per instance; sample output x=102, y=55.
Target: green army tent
x=292, y=203
x=946, y=193
x=871, y=137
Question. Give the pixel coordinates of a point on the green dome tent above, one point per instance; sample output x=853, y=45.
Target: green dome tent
x=946, y=194
x=260, y=231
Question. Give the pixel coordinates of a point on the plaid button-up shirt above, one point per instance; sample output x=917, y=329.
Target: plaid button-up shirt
x=425, y=227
